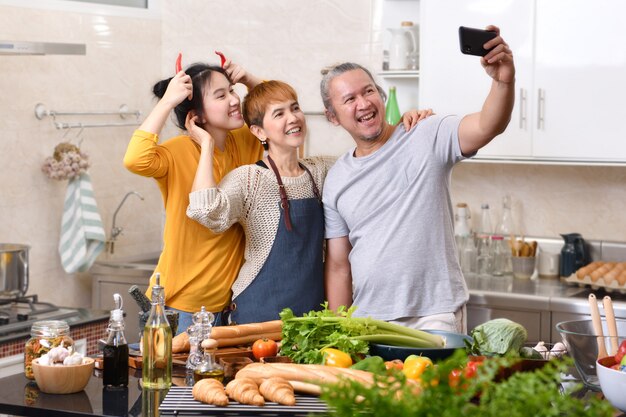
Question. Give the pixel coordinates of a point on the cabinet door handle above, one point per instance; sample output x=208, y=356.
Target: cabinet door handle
x=522, y=108
x=541, y=102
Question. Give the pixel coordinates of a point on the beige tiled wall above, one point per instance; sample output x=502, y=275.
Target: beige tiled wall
x=289, y=40
x=122, y=61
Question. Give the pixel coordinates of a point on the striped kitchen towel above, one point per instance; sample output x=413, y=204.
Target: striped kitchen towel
x=82, y=234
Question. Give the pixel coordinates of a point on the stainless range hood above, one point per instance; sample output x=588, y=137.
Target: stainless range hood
x=41, y=48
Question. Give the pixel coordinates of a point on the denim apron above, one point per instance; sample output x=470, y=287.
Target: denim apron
x=293, y=274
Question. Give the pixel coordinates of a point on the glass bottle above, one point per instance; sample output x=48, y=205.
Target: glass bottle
x=506, y=229
x=115, y=352
x=483, y=236
x=500, y=251
x=208, y=368
x=468, y=258
x=392, y=111
x=45, y=335
x=157, y=343
x=462, y=230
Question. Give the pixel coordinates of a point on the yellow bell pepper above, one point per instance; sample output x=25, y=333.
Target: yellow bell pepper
x=414, y=366
x=336, y=358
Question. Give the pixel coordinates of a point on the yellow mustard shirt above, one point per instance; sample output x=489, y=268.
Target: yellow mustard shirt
x=197, y=266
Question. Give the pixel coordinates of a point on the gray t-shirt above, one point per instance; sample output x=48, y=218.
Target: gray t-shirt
x=394, y=206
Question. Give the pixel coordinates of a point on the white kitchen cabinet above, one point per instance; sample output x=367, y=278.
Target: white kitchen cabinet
x=570, y=59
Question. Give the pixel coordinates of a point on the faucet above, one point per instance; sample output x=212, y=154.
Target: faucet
x=115, y=230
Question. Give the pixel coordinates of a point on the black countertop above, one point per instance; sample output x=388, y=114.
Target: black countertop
x=21, y=396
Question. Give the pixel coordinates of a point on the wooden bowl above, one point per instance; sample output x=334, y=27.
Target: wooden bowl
x=63, y=379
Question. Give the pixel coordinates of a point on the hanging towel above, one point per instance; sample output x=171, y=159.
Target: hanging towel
x=82, y=234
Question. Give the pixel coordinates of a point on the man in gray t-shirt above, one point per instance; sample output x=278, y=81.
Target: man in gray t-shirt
x=389, y=222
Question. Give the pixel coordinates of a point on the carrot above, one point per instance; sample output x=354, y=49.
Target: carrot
x=235, y=341
x=259, y=330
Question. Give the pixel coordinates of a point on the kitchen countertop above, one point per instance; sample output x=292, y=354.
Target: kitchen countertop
x=538, y=294
x=21, y=397
x=75, y=317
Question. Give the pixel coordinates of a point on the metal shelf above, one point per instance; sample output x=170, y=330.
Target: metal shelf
x=400, y=74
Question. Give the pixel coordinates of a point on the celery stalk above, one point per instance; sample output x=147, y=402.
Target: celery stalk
x=414, y=337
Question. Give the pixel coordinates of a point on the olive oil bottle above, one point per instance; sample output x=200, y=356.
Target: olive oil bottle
x=157, y=343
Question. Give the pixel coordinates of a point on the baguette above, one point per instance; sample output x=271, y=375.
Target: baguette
x=213, y=343
x=313, y=374
x=180, y=343
x=306, y=388
x=258, y=330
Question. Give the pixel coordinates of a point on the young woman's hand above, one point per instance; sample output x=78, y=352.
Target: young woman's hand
x=178, y=89
x=198, y=134
x=412, y=117
x=238, y=74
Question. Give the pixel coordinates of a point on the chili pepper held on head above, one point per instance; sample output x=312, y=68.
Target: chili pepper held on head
x=179, y=65
x=222, y=58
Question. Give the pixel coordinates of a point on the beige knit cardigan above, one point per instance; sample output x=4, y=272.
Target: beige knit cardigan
x=249, y=195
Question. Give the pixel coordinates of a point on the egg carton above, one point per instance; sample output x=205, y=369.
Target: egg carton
x=613, y=286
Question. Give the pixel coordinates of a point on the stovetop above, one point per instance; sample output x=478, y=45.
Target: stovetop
x=19, y=314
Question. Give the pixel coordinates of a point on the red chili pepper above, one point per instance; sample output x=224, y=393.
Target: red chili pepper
x=179, y=66
x=222, y=58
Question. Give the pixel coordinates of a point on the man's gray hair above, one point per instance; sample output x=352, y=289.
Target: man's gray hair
x=336, y=71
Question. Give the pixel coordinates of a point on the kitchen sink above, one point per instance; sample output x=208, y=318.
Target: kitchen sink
x=142, y=262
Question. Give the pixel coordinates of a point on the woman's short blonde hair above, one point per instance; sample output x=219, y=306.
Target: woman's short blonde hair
x=257, y=100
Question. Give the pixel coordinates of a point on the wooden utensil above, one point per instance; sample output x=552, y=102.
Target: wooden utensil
x=597, y=326
x=516, y=245
x=610, y=323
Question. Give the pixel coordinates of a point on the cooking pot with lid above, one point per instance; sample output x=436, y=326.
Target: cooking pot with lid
x=13, y=270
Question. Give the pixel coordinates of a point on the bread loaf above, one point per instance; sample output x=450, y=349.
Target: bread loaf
x=313, y=374
x=180, y=343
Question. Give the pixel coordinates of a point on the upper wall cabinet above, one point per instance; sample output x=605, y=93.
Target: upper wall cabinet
x=570, y=63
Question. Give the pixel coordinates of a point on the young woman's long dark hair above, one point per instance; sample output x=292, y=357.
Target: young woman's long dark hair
x=200, y=77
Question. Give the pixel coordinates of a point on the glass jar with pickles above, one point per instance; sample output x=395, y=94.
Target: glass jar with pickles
x=45, y=335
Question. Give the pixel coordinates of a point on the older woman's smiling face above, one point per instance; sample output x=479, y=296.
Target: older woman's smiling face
x=284, y=124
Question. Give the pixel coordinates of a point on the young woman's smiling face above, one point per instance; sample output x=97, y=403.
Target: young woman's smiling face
x=222, y=106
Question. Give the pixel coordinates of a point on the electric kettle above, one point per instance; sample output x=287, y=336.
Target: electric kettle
x=403, y=46
x=574, y=254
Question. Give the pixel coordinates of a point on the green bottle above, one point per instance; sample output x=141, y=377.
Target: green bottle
x=157, y=343
x=392, y=112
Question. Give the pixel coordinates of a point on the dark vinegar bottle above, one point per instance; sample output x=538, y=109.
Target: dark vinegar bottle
x=115, y=352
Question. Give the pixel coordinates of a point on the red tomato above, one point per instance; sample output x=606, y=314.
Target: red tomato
x=621, y=352
x=264, y=347
x=470, y=369
x=454, y=378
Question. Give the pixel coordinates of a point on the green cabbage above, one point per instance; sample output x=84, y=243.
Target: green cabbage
x=498, y=337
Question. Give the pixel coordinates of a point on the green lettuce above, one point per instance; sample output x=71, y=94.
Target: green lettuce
x=498, y=337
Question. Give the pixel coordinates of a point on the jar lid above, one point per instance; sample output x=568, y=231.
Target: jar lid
x=50, y=327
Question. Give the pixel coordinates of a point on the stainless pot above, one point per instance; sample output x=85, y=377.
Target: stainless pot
x=13, y=270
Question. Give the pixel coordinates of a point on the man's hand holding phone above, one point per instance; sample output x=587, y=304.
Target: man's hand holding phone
x=497, y=58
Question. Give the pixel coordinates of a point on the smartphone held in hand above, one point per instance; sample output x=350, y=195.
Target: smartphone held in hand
x=471, y=40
